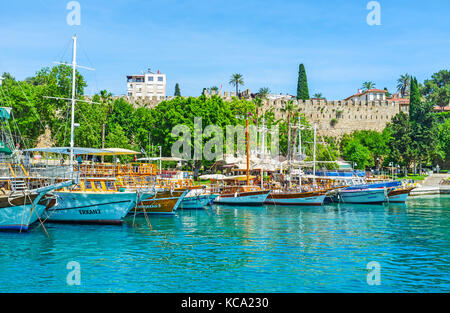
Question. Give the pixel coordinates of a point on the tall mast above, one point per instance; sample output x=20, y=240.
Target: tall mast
x=299, y=152
x=72, y=125
x=262, y=153
x=314, y=160
x=248, y=158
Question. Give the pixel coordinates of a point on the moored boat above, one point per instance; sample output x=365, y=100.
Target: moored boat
x=399, y=194
x=242, y=195
x=313, y=198
x=362, y=195
x=165, y=201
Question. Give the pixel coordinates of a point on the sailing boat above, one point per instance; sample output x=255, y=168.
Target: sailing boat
x=86, y=203
x=20, y=206
x=237, y=194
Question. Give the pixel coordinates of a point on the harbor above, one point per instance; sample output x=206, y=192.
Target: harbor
x=241, y=249
x=211, y=152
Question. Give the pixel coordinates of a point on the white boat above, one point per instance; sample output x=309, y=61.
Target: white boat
x=311, y=198
x=399, y=194
x=242, y=195
x=197, y=199
x=20, y=210
x=362, y=195
x=92, y=207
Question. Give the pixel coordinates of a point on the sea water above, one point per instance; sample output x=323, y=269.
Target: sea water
x=241, y=249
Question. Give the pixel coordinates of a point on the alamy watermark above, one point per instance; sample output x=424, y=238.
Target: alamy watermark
x=74, y=16
x=73, y=278
x=374, y=276
x=374, y=16
x=213, y=148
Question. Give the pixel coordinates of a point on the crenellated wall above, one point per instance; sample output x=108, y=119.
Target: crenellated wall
x=333, y=118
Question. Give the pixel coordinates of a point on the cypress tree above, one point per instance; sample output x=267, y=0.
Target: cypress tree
x=414, y=100
x=302, y=84
x=177, y=90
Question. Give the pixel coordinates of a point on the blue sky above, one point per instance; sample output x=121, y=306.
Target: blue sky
x=201, y=43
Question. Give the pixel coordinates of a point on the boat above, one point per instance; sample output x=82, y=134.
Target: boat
x=198, y=198
x=164, y=201
x=93, y=201
x=399, y=194
x=242, y=195
x=362, y=195
x=19, y=210
x=311, y=198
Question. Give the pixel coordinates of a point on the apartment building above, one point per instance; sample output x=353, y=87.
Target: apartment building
x=147, y=85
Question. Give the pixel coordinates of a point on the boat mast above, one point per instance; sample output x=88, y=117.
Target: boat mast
x=248, y=159
x=299, y=153
x=262, y=153
x=72, y=124
x=314, y=160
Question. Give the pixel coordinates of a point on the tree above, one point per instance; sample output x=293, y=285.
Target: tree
x=318, y=95
x=437, y=89
x=400, y=142
x=368, y=85
x=177, y=90
x=414, y=100
x=236, y=80
x=403, y=84
x=356, y=152
x=263, y=92
x=302, y=84
x=288, y=108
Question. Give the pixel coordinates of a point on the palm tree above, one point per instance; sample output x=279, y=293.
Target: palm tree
x=403, y=84
x=288, y=108
x=368, y=85
x=263, y=92
x=318, y=95
x=236, y=80
x=258, y=103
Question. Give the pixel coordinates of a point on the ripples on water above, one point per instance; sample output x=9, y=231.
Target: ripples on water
x=245, y=249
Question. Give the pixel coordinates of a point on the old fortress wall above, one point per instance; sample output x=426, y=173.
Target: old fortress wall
x=333, y=118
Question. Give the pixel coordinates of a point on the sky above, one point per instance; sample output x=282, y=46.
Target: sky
x=202, y=43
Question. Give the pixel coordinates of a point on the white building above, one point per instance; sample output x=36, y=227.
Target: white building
x=148, y=85
x=369, y=95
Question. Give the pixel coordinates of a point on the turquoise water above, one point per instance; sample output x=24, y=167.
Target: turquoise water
x=226, y=249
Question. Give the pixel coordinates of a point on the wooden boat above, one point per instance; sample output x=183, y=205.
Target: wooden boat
x=164, y=201
x=362, y=195
x=242, y=195
x=93, y=202
x=399, y=194
x=312, y=198
x=19, y=210
x=197, y=198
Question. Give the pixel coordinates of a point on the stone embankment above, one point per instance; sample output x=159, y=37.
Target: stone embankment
x=433, y=185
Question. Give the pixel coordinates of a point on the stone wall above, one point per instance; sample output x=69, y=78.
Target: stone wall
x=333, y=118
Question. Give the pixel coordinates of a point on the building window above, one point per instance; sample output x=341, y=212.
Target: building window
x=160, y=78
x=150, y=78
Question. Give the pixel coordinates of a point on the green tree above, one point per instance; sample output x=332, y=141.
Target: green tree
x=437, y=89
x=302, y=84
x=236, y=80
x=177, y=90
x=368, y=85
x=403, y=84
x=288, y=108
x=400, y=142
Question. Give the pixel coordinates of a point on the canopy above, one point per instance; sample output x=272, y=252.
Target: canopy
x=212, y=176
x=162, y=159
x=87, y=151
x=65, y=150
x=116, y=151
x=5, y=113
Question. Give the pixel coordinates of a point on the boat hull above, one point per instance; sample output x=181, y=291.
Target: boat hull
x=253, y=198
x=399, y=195
x=300, y=198
x=363, y=196
x=19, y=218
x=91, y=208
x=164, y=202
